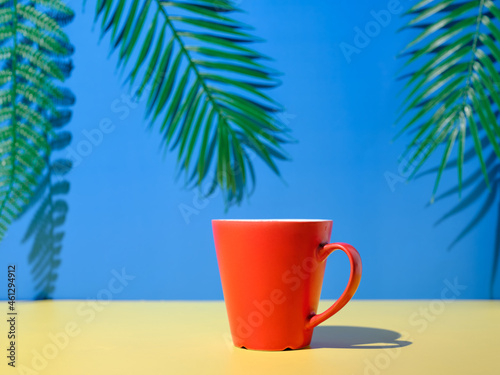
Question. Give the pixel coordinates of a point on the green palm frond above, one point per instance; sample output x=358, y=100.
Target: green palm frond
x=47, y=201
x=31, y=40
x=203, y=86
x=453, y=90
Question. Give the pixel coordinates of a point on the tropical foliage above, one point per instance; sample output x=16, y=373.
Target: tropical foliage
x=453, y=91
x=35, y=57
x=31, y=42
x=192, y=64
x=453, y=97
x=203, y=85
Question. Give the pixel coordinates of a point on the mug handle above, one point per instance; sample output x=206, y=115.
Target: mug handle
x=352, y=285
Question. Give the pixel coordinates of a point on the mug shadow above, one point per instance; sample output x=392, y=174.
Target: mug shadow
x=351, y=337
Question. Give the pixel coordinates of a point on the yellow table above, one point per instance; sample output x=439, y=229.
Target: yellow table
x=366, y=338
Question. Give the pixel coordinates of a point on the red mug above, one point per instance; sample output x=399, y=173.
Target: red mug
x=272, y=273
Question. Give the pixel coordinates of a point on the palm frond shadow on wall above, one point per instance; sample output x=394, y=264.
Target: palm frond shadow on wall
x=35, y=58
x=452, y=101
x=194, y=64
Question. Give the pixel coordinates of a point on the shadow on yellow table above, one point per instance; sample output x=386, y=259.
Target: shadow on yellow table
x=350, y=337
x=365, y=338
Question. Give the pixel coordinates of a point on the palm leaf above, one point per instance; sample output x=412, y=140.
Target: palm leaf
x=203, y=86
x=47, y=201
x=32, y=43
x=453, y=89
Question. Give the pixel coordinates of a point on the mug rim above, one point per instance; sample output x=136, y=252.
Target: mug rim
x=274, y=220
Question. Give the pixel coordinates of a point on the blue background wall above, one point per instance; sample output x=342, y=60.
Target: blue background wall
x=124, y=202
